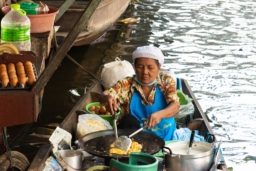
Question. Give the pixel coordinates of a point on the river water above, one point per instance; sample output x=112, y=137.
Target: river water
x=214, y=49
x=209, y=43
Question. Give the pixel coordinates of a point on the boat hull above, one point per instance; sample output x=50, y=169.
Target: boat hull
x=108, y=12
x=70, y=122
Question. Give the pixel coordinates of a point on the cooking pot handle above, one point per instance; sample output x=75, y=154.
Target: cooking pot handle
x=210, y=138
x=57, y=155
x=170, y=151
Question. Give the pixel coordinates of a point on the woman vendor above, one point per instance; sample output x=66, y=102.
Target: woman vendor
x=149, y=97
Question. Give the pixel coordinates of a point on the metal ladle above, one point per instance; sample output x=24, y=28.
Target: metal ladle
x=114, y=123
x=191, y=141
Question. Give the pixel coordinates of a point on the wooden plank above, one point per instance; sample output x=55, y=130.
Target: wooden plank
x=63, y=9
x=41, y=43
x=198, y=110
x=110, y=9
x=65, y=46
x=38, y=162
x=70, y=122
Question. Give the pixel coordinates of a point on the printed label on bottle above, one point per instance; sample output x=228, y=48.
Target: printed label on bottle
x=15, y=34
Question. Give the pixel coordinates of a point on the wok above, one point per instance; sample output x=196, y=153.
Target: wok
x=98, y=143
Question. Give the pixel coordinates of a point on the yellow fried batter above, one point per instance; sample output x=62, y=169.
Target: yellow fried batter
x=135, y=147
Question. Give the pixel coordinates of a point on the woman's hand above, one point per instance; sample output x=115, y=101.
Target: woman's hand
x=170, y=111
x=110, y=103
x=153, y=120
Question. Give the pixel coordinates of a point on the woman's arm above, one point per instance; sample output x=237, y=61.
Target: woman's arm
x=171, y=110
x=117, y=93
x=168, y=87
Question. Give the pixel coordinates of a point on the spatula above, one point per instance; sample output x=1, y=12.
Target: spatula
x=123, y=142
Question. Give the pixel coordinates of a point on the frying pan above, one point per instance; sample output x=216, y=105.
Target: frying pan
x=98, y=143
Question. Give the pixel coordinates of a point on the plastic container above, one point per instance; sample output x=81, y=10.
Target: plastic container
x=15, y=28
x=40, y=23
x=137, y=161
x=108, y=118
x=31, y=8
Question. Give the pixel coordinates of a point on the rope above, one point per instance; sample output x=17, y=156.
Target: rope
x=21, y=135
x=2, y=141
x=72, y=59
x=17, y=135
x=7, y=147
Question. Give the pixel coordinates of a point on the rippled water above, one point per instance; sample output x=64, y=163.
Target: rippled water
x=211, y=44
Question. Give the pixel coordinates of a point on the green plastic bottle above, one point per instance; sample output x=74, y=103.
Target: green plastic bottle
x=15, y=28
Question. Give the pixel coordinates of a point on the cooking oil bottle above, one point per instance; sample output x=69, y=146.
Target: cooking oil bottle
x=15, y=28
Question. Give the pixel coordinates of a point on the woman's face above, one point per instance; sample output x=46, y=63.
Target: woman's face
x=146, y=69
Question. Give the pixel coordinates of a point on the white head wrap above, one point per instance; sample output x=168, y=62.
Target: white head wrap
x=148, y=52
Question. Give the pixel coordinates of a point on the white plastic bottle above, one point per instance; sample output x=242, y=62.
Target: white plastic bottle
x=15, y=28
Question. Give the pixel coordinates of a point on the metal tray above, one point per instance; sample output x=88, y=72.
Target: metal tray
x=19, y=86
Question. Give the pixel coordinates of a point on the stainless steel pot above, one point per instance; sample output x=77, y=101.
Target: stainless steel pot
x=73, y=159
x=200, y=158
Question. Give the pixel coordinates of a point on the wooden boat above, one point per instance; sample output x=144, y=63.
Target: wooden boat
x=70, y=122
x=107, y=13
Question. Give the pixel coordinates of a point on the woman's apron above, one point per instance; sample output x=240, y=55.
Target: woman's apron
x=166, y=127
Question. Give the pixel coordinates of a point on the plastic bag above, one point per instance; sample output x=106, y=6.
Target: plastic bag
x=183, y=134
x=51, y=164
x=185, y=111
x=43, y=8
x=58, y=138
x=115, y=71
x=183, y=98
x=186, y=107
x=88, y=123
